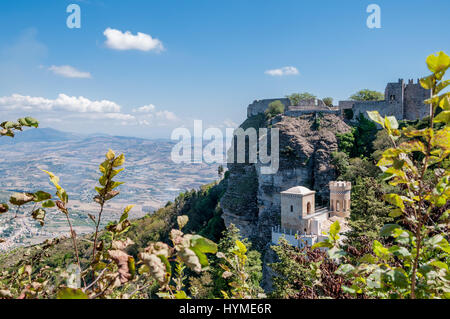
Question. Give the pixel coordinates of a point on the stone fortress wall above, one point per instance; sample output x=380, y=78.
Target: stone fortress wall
x=259, y=106
x=404, y=101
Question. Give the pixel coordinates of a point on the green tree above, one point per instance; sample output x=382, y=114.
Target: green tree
x=275, y=108
x=328, y=101
x=346, y=141
x=305, y=274
x=369, y=213
x=253, y=264
x=295, y=98
x=367, y=95
x=340, y=160
x=416, y=263
x=364, y=134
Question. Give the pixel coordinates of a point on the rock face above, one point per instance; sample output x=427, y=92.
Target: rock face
x=252, y=200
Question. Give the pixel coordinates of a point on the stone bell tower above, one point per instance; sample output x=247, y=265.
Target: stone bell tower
x=340, y=198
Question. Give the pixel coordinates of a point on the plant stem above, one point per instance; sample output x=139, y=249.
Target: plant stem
x=96, y=230
x=75, y=246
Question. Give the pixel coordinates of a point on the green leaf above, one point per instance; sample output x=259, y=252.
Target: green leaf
x=399, y=251
x=334, y=229
x=241, y=247
x=20, y=199
x=388, y=229
x=48, y=204
x=132, y=267
x=436, y=239
x=439, y=264
x=54, y=179
x=344, y=269
x=445, y=103
x=391, y=122
x=400, y=278
x=39, y=215
x=40, y=196
x=376, y=117
x=208, y=246
x=322, y=244
x=115, y=184
x=442, y=85
x=201, y=257
x=28, y=121
x=438, y=62
x=395, y=200
x=380, y=250
x=427, y=82
x=396, y=212
x=110, y=155
x=336, y=253
x=71, y=293
x=443, y=117
x=128, y=208
x=181, y=295
x=443, y=245
x=119, y=161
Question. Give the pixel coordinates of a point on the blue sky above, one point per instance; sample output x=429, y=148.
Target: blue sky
x=214, y=61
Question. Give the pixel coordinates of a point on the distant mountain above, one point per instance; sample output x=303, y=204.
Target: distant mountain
x=40, y=135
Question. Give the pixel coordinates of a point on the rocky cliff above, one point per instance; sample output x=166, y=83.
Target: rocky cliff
x=252, y=200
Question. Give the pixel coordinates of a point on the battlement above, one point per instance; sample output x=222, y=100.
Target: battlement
x=340, y=185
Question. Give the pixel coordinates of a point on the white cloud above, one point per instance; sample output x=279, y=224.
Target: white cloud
x=166, y=115
x=120, y=116
x=63, y=102
x=148, y=113
x=145, y=109
x=68, y=71
x=287, y=70
x=68, y=111
x=118, y=40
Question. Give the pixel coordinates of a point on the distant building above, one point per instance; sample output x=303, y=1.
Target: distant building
x=404, y=101
x=304, y=224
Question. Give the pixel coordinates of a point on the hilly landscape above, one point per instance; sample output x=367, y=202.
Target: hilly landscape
x=151, y=178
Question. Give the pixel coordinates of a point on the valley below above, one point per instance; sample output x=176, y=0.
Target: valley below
x=151, y=180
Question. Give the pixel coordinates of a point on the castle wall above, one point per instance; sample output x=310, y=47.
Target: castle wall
x=291, y=220
x=299, y=112
x=414, y=108
x=383, y=107
x=347, y=104
x=259, y=106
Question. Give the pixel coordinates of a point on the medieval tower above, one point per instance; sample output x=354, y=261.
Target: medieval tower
x=296, y=204
x=340, y=198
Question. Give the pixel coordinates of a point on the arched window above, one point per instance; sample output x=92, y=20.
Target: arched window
x=308, y=208
x=292, y=208
x=338, y=208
